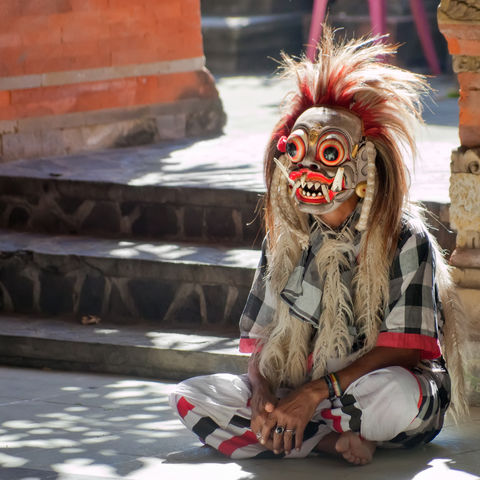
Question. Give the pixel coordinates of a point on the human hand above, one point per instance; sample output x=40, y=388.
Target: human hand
x=262, y=404
x=287, y=421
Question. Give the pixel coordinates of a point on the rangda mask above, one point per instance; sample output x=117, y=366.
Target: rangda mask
x=325, y=167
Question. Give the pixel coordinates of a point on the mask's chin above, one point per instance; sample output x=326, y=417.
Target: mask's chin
x=324, y=207
x=318, y=209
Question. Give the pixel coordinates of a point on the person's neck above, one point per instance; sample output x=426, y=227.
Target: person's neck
x=336, y=217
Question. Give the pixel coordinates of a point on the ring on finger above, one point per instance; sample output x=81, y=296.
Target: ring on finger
x=258, y=435
x=279, y=430
x=290, y=430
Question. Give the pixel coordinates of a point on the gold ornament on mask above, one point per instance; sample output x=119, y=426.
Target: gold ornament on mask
x=361, y=189
x=313, y=136
x=354, y=151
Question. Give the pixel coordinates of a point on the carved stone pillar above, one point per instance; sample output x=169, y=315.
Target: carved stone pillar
x=459, y=21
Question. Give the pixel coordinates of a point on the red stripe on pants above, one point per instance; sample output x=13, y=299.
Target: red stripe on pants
x=229, y=446
x=337, y=420
x=183, y=406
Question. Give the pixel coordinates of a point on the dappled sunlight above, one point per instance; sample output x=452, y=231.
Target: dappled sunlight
x=444, y=468
x=193, y=342
x=205, y=471
x=93, y=430
x=9, y=461
x=211, y=163
x=184, y=253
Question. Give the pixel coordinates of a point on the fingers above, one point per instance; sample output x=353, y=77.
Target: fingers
x=299, y=437
x=266, y=431
x=278, y=439
x=287, y=440
x=283, y=439
x=269, y=407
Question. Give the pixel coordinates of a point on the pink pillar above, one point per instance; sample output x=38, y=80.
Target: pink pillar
x=378, y=16
x=423, y=31
x=318, y=16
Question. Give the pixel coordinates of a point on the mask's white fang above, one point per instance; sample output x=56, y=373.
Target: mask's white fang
x=283, y=170
x=338, y=180
x=326, y=193
x=296, y=185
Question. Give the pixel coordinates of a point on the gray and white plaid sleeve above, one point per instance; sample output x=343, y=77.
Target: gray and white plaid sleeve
x=259, y=308
x=413, y=314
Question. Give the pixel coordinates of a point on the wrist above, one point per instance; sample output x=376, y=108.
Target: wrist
x=333, y=385
x=316, y=390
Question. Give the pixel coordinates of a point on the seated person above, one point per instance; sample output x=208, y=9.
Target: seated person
x=351, y=304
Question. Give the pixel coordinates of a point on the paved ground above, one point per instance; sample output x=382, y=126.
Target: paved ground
x=75, y=426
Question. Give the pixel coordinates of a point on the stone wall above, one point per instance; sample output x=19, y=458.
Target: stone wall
x=459, y=21
x=87, y=74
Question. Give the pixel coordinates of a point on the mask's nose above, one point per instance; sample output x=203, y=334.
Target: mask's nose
x=309, y=160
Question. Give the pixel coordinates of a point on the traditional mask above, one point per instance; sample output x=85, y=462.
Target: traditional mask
x=325, y=168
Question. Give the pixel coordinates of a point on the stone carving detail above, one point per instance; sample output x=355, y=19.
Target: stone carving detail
x=465, y=208
x=465, y=63
x=466, y=277
x=467, y=10
x=466, y=161
x=468, y=239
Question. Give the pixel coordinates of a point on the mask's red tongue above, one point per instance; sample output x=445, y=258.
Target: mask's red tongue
x=311, y=176
x=316, y=177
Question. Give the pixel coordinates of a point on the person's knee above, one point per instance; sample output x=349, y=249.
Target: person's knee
x=182, y=395
x=389, y=400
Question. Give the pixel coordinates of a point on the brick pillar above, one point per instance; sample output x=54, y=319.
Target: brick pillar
x=88, y=74
x=459, y=21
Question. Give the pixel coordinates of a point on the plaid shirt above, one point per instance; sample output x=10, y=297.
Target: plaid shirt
x=413, y=318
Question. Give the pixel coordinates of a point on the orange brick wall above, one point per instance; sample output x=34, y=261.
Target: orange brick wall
x=38, y=36
x=89, y=96
x=463, y=37
x=42, y=36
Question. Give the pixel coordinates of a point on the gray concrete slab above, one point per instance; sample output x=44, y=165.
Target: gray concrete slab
x=135, y=349
x=77, y=426
x=234, y=159
x=115, y=250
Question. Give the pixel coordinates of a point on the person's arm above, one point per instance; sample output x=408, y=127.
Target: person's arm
x=296, y=410
x=263, y=401
x=375, y=359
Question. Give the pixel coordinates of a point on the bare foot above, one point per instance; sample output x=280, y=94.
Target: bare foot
x=354, y=449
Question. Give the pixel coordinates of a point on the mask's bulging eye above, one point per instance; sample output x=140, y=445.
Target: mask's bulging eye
x=296, y=148
x=331, y=152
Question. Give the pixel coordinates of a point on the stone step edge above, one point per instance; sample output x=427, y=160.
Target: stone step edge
x=127, y=249
x=107, y=348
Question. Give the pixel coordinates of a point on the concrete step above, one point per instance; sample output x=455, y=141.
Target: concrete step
x=253, y=7
x=249, y=43
x=124, y=281
x=171, y=192
x=140, y=350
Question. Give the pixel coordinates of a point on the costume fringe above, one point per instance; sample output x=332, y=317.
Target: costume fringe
x=333, y=339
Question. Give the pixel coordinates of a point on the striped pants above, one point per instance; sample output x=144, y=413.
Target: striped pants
x=393, y=406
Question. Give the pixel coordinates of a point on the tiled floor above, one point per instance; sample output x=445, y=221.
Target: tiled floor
x=77, y=426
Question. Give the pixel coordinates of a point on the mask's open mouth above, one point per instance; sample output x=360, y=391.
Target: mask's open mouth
x=314, y=188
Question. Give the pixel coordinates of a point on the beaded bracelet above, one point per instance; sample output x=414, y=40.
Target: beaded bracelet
x=336, y=385
x=331, y=391
x=333, y=385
